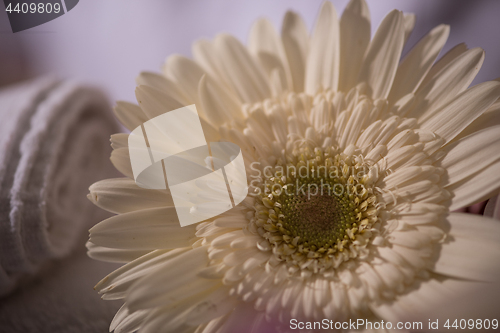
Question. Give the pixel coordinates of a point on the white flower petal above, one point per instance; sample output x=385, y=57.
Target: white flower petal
x=245, y=75
x=225, y=240
x=409, y=238
x=387, y=129
x=164, y=85
x=409, y=23
x=408, y=175
x=320, y=117
x=449, y=120
x=489, y=118
x=447, y=58
x=176, y=273
x=121, y=160
x=369, y=134
x=417, y=63
x=118, y=282
x=354, y=126
x=472, y=249
x=218, y=104
x=169, y=319
x=418, y=258
x=382, y=57
x=156, y=228
x=214, y=325
x=119, y=140
x=264, y=40
x=217, y=304
x=279, y=101
x=238, y=257
x=448, y=296
x=204, y=54
x=295, y=40
x=122, y=195
x=186, y=73
x=279, y=127
x=475, y=188
x=354, y=40
x=130, y=115
x=322, y=69
x=112, y=255
x=126, y=321
x=231, y=222
x=463, y=158
x=454, y=78
x=154, y=103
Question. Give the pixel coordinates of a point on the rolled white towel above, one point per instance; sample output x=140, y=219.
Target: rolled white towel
x=54, y=144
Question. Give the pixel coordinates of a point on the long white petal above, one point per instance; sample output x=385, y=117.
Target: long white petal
x=164, y=85
x=448, y=296
x=121, y=161
x=154, y=103
x=245, y=75
x=219, y=105
x=265, y=44
x=382, y=57
x=186, y=73
x=354, y=40
x=204, y=54
x=112, y=255
x=122, y=278
x=119, y=140
x=472, y=249
x=155, y=228
x=322, y=70
x=417, y=63
x=296, y=43
x=158, y=288
x=447, y=58
x=475, y=188
x=130, y=115
x=489, y=118
x=449, y=120
x=454, y=78
x=409, y=21
x=471, y=154
x=122, y=195
x=126, y=321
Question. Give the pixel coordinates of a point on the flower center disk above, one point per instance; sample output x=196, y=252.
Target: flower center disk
x=320, y=220
x=319, y=205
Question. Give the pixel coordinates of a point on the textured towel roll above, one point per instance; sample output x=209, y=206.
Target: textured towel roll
x=54, y=144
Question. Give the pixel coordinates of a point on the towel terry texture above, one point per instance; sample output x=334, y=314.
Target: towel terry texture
x=54, y=144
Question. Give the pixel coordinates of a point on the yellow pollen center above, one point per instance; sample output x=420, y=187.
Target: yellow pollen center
x=316, y=205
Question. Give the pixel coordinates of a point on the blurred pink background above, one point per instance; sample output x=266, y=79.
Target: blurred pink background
x=107, y=43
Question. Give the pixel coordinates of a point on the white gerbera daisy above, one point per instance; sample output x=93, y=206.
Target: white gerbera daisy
x=408, y=143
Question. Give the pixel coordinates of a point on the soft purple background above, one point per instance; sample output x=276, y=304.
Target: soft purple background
x=107, y=43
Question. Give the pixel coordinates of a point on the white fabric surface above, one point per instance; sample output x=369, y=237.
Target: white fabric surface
x=54, y=144
x=61, y=299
